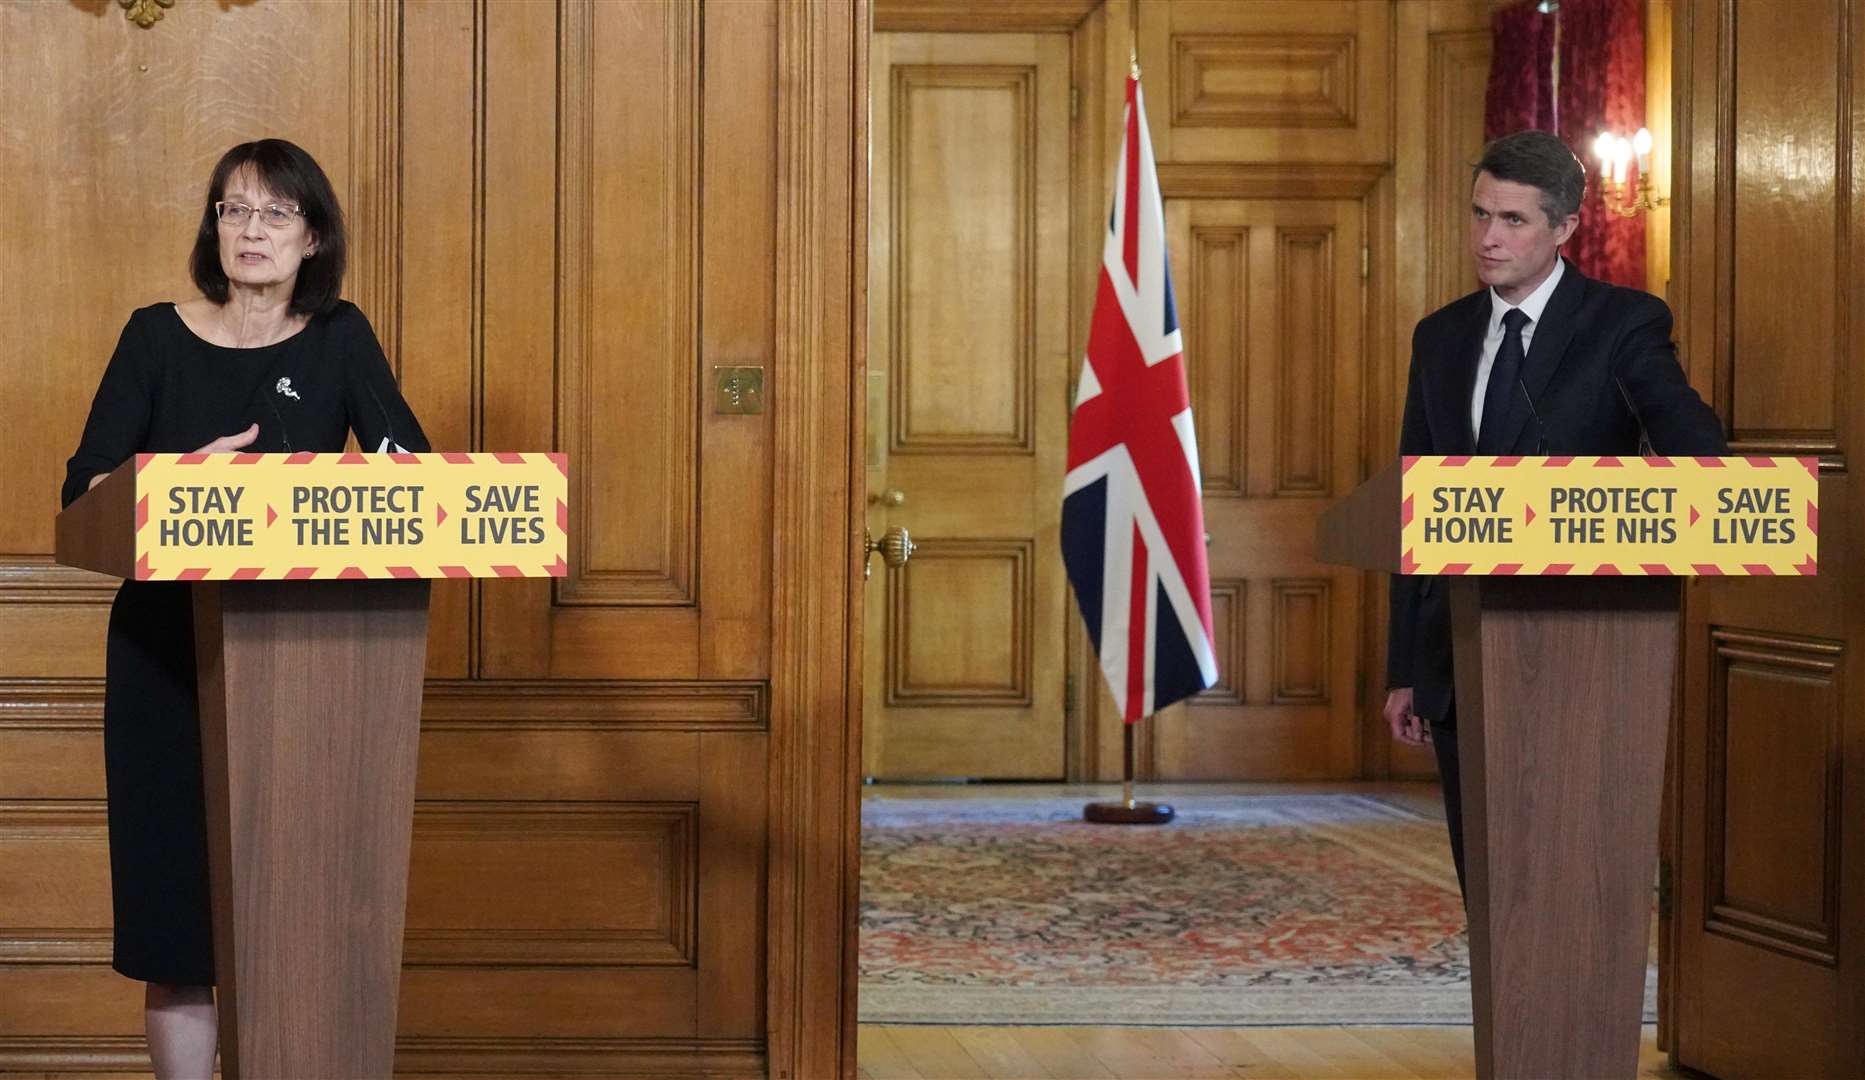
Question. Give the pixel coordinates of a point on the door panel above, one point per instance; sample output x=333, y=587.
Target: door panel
x=969, y=371
x=1270, y=297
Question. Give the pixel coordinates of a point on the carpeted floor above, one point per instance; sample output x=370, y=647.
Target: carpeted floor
x=1250, y=909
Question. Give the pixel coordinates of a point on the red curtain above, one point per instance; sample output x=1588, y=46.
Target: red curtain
x=1601, y=86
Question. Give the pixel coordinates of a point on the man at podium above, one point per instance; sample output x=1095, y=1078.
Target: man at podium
x=268, y=358
x=1542, y=360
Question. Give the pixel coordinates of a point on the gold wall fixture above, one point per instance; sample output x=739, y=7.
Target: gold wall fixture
x=145, y=13
x=738, y=391
x=1615, y=153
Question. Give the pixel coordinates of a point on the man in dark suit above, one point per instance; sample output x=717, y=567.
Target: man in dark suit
x=1540, y=361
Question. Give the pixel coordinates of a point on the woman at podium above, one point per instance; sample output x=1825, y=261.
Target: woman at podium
x=267, y=358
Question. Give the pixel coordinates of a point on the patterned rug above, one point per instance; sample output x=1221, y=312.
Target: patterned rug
x=1248, y=910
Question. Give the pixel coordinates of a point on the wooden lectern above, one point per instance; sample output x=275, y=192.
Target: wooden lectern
x=310, y=702
x=1564, y=690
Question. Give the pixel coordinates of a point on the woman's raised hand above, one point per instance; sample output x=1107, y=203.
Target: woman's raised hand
x=228, y=443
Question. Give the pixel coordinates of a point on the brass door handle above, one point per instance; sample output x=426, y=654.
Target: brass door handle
x=896, y=547
x=890, y=497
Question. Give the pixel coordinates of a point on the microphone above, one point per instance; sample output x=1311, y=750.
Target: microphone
x=1541, y=433
x=1644, y=436
x=284, y=433
x=389, y=441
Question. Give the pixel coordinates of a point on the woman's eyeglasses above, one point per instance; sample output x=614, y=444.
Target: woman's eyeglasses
x=275, y=215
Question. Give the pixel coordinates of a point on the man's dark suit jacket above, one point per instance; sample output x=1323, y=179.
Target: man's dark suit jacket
x=1592, y=339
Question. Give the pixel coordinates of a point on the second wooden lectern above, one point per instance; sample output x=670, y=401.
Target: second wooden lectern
x=1564, y=688
x=1563, y=577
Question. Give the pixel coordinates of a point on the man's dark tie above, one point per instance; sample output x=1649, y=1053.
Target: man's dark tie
x=1499, y=399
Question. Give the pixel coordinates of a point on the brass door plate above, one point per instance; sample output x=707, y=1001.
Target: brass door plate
x=738, y=391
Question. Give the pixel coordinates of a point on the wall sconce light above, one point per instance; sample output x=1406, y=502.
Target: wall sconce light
x=1615, y=153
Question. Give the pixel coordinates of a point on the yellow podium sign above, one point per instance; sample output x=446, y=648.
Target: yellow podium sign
x=242, y=517
x=1610, y=515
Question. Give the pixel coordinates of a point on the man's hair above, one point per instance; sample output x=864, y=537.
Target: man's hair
x=1541, y=161
x=286, y=171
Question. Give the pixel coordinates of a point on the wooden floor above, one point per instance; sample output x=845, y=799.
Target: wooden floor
x=1078, y=1053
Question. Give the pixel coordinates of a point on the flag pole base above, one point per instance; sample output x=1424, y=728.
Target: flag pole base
x=1123, y=813
x=1127, y=811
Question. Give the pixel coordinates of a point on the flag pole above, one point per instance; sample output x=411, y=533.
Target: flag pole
x=1124, y=339
x=1133, y=36
x=1127, y=811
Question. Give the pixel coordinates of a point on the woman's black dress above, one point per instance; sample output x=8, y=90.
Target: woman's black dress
x=168, y=391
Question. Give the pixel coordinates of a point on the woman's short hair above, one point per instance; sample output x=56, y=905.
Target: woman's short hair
x=1541, y=161
x=288, y=172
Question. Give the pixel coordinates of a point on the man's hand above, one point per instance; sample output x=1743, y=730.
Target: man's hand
x=1407, y=726
x=229, y=443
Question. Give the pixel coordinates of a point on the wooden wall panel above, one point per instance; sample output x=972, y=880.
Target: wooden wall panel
x=629, y=135
x=1268, y=80
x=53, y=731
x=1264, y=80
x=1773, y=793
x=623, y=891
x=60, y=857
x=1787, y=163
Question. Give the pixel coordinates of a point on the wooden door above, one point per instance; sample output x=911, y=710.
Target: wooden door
x=968, y=405
x=1269, y=295
x=1767, y=881
x=633, y=836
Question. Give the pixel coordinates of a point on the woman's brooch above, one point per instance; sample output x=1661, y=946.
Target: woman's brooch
x=284, y=387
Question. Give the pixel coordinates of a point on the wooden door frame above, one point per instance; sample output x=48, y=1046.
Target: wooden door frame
x=817, y=398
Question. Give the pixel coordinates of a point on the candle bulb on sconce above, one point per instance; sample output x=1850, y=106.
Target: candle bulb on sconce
x=1615, y=154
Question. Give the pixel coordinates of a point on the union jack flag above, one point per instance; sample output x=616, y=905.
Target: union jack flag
x=1132, y=516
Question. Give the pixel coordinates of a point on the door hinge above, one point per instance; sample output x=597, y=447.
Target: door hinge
x=1366, y=262
x=1664, y=888
x=1074, y=102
